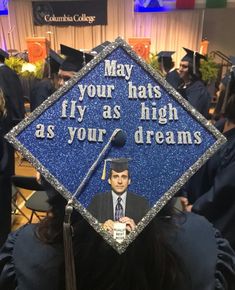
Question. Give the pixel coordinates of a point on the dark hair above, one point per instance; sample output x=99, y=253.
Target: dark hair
x=50, y=229
x=229, y=112
x=167, y=62
x=2, y=59
x=149, y=263
x=194, y=76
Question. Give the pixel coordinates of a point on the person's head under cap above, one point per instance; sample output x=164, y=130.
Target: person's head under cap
x=119, y=177
x=52, y=64
x=190, y=65
x=165, y=61
x=100, y=47
x=55, y=61
x=73, y=62
x=230, y=80
x=232, y=72
x=3, y=55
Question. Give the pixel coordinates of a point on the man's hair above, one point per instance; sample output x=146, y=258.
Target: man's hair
x=110, y=173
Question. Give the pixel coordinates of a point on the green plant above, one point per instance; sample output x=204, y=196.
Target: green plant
x=39, y=69
x=153, y=61
x=209, y=70
x=15, y=63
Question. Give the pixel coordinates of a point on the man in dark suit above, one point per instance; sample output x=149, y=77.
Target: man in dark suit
x=118, y=204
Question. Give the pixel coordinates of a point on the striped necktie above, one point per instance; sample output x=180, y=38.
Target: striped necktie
x=118, y=209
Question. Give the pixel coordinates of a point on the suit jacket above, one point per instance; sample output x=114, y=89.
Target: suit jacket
x=101, y=207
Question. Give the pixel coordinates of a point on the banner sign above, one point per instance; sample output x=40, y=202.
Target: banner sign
x=79, y=13
x=172, y=5
x=116, y=107
x=3, y=7
x=185, y=4
x=216, y=3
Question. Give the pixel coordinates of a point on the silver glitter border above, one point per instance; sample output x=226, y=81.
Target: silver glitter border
x=119, y=42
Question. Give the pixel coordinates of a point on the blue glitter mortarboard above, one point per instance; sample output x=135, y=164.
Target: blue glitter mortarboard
x=73, y=132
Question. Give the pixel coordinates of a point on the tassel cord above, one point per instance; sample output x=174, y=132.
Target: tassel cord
x=70, y=274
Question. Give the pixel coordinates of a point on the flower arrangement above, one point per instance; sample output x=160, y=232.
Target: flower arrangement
x=24, y=68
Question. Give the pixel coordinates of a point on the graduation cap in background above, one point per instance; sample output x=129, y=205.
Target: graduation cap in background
x=54, y=60
x=225, y=80
x=100, y=47
x=165, y=59
x=165, y=54
x=194, y=58
x=75, y=59
x=231, y=76
x=116, y=164
x=229, y=83
x=3, y=54
x=232, y=60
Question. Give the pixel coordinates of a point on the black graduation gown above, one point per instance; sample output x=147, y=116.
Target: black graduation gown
x=208, y=258
x=212, y=190
x=40, y=92
x=28, y=264
x=173, y=78
x=198, y=96
x=6, y=170
x=13, y=92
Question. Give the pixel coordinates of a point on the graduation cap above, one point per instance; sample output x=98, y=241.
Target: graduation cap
x=75, y=59
x=100, y=47
x=194, y=58
x=229, y=83
x=231, y=76
x=232, y=60
x=119, y=164
x=165, y=54
x=116, y=164
x=3, y=54
x=55, y=61
x=164, y=57
x=83, y=147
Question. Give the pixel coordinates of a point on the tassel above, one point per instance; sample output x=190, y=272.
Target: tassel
x=70, y=276
x=104, y=170
x=84, y=58
x=194, y=62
